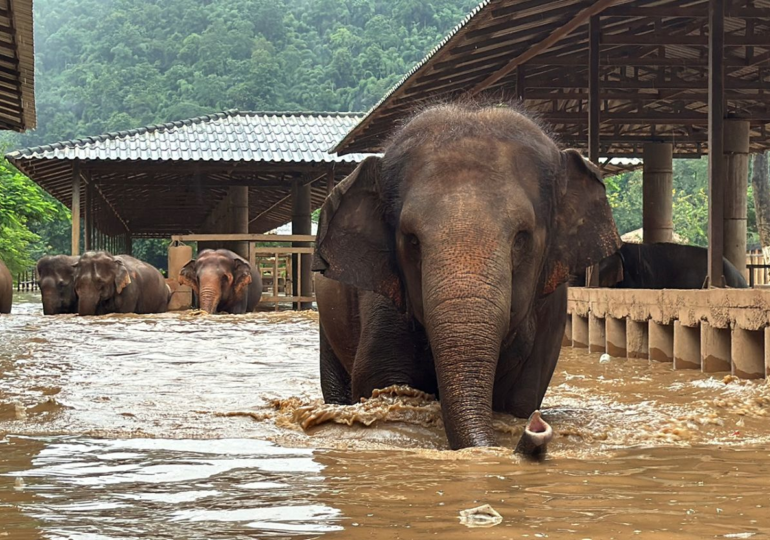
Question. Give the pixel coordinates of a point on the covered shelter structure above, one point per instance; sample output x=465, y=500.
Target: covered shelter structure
x=649, y=79
x=17, y=66
x=233, y=172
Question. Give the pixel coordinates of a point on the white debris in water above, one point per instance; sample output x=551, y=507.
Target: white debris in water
x=604, y=359
x=739, y=535
x=481, y=516
x=20, y=410
x=19, y=484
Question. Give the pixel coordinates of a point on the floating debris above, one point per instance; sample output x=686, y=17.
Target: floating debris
x=481, y=516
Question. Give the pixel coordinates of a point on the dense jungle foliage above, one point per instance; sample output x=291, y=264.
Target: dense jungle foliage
x=105, y=65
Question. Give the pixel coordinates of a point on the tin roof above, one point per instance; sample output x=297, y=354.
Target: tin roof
x=226, y=136
x=167, y=179
x=17, y=65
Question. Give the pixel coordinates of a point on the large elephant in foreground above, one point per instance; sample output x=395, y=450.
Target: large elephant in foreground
x=223, y=281
x=56, y=279
x=445, y=264
x=659, y=266
x=6, y=289
x=106, y=283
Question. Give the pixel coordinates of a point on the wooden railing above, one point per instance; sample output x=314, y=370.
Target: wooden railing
x=273, y=261
x=759, y=272
x=26, y=281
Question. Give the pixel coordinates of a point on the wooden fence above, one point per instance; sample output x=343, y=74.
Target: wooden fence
x=26, y=281
x=275, y=260
x=759, y=272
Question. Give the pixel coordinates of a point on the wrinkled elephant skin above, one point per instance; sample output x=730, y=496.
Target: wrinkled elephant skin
x=445, y=264
x=6, y=289
x=55, y=277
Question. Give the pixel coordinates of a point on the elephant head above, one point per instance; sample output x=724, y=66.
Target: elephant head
x=471, y=216
x=216, y=276
x=55, y=277
x=99, y=278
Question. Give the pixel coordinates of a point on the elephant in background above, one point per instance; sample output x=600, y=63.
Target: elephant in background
x=6, y=289
x=445, y=265
x=106, y=283
x=223, y=282
x=56, y=279
x=660, y=266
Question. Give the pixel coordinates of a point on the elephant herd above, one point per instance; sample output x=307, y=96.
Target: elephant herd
x=99, y=283
x=444, y=265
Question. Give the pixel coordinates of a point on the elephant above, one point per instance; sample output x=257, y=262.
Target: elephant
x=55, y=277
x=223, y=282
x=6, y=289
x=660, y=266
x=106, y=283
x=444, y=264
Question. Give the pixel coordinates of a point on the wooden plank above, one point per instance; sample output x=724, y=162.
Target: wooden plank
x=716, y=167
x=544, y=45
x=244, y=238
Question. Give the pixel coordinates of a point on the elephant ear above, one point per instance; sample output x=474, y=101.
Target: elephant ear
x=355, y=244
x=122, y=277
x=187, y=276
x=241, y=276
x=584, y=230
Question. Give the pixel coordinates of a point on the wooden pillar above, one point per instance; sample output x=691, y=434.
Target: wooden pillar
x=658, y=193
x=716, y=111
x=594, y=103
x=75, y=209
x=736, y=152
x=301, y=224
x=88, y=221
x=239, y=217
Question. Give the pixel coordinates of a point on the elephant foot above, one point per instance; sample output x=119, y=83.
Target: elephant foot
x=537, y=434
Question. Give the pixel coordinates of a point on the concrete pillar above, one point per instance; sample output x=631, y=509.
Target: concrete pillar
x=75, y=209
x=658, y=193
x=301, y=224
x=567, y=339
x=637, y=342
x=661, y=342
x=616, y=337
x=748, y=353
x=736, y=152
x=714, y=348
x=239, y=218
x=596, y=334
x=579, y=332
x=686, y=346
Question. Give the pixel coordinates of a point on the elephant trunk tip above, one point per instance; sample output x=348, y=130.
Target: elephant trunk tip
x=537, y=434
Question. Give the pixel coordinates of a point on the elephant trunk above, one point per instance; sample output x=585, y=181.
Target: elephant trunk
x=467, y=315
x=87, y=304
x=50, y=302
x=210, y=294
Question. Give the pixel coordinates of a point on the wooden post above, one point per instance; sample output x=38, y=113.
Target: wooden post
x=301, y=224
x=329, y=181
x=716, y=142
x=657, y=193
x=75, y=209
x=239, y=217
x=88, y=221
x=275, y=280
x=594, y=103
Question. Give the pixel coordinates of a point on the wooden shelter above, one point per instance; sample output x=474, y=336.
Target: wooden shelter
x=650, y=79
x=230, y=172
x=17, y=66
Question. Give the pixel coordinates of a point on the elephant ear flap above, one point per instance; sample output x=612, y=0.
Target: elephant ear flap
x=241, y=275
x=187, y=276
x=584, y=230
x=122, y=277
x=355, y=244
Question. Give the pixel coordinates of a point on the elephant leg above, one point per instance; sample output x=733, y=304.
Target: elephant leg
x=335, y=380
x=390, y=352
x=521, y=392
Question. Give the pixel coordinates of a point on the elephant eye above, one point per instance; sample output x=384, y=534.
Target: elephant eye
x=521, y=241
x=413, y=240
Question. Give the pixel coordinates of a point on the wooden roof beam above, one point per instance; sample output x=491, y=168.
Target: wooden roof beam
x=580, y=19
x=693, y=12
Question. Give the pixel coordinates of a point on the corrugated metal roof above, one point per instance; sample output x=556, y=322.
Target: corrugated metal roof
x=17, y=80
x=227, y=136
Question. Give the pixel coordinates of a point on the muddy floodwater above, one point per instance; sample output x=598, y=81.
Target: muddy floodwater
x=191, y=426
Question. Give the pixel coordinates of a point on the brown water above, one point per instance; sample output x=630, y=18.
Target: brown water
x=189, y=426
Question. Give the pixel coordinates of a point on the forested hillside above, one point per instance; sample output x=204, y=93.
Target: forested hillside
x=105, y=65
